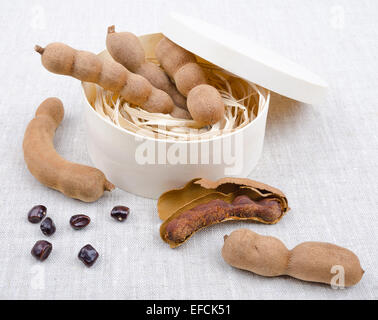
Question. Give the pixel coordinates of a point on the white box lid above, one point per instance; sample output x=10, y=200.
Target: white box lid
x=244, y=58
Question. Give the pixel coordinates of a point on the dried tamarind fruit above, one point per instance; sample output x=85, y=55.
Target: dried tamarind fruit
x=308, y=261
x=61, y=59
x=48, y=167
x=204, y=102
x=180, y=113
x=200, y=190
x=202, y=203
x=126, y=49
x=179, y=228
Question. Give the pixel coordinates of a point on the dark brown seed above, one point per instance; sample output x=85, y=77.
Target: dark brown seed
x=79, y=221
x=41, y=250
x=48, y=227
x=88, y=255
x=37, y=213
x=120, y=213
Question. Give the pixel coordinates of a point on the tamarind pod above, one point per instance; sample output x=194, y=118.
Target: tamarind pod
x=181, y=65
x=48, y=167
x=190, y=76
x=160, y=80
x=173, y=57
x=126, y=49
x=180, y=113
x=313, y=261
x=263, y=255
x=204, y=102
x=180, y=227
x=61, y=59
x=158, y=101
x=196, y=192
x=309, y=261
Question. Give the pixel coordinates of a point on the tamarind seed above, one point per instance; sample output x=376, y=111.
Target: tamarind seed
x=37, y=213
x=120, y=213
x=79, y=221
x=88, y=255
x=48, y=227
x=41, y=250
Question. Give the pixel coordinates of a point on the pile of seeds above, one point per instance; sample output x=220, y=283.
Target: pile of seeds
x=87, y=254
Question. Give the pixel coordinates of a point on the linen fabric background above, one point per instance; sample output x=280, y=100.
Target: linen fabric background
x=324, y=157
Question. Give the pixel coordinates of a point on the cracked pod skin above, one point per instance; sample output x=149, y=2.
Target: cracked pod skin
x=202, y=203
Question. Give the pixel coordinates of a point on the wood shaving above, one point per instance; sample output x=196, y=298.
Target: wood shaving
x=243, y=100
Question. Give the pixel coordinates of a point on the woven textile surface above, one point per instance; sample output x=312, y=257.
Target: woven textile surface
x=324, y=157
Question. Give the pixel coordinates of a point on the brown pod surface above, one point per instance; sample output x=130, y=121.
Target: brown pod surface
x=160, y=80
x=173, y=57
x=61, y=59
x=309, y=261
x=205, y=105
x=263, y=255
x=180, y=113
x=48, y=167
x=188, y=77
x=126, y=49
x=313, y=261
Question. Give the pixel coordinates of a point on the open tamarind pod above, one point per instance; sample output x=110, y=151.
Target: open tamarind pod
x=126, y=49
x=308, y=261
x=61, y=59
x=173, y=200
x=204, y=102
x=48, y=167
x=202, y=203
x=182, y=225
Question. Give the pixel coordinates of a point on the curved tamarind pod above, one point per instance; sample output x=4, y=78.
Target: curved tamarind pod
x=182, y=225
x=126, y=49
x=204, y=102
x=48, y=167
x=86, y=66
x=309, y=261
